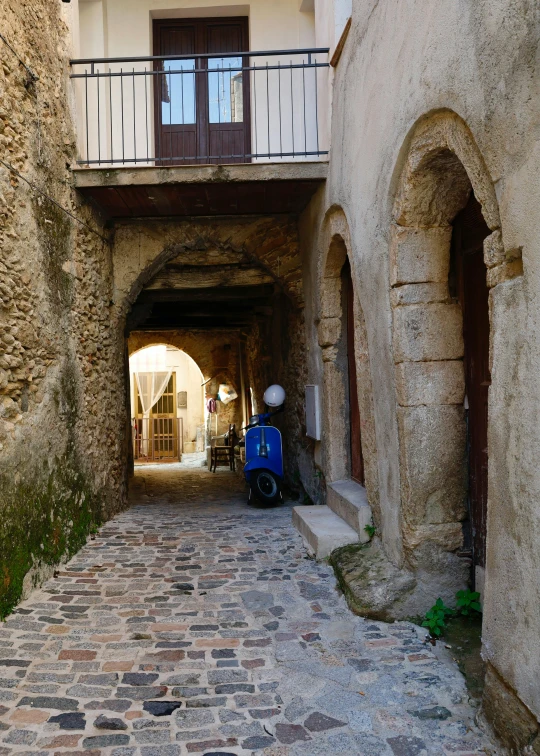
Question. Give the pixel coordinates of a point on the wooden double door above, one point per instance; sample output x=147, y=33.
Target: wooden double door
x=158, y=437
x=202, y=100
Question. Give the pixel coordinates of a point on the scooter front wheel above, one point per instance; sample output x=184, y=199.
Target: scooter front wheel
x=265, y=486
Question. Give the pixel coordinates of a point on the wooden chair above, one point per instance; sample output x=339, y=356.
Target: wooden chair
x=223, y=453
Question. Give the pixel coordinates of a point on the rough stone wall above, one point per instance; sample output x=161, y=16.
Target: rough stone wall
x=54, y=338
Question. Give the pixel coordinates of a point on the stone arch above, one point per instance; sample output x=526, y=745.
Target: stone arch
x=443, y=165
x=266, y=247
x=336, y=250
x=268, y=244
x=184, y=342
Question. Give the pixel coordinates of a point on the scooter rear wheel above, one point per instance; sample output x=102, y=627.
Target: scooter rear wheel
x=265, y=486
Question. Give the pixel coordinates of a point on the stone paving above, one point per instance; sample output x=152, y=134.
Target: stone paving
x=194, y=624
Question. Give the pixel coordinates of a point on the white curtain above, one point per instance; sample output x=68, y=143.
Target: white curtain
x=151, y=387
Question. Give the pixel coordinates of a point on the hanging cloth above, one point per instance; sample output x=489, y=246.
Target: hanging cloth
x=151, y=388
x=211, y=405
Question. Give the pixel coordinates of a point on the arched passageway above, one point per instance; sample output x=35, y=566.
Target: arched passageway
x=228, y=294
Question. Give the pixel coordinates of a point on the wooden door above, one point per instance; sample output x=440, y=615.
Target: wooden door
x=204, y=116
x=357, y=461
x=228, y=101
x=158, y=436
x=164, y=424
x=468, y=279
x=175, y=94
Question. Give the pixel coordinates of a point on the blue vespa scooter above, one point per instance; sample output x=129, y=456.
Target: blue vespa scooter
x=264, y=452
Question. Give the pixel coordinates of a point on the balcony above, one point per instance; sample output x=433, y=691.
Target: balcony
x=172, y=110
x=234, y=133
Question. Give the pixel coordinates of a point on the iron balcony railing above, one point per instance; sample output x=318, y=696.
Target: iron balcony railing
x=213, y=108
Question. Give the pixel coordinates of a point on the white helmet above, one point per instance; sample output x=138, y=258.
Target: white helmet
x=274, y=396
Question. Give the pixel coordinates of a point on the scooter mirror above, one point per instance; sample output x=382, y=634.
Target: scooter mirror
x=253, y=420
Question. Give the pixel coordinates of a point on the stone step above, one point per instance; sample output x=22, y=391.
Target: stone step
x=348, y=500
x=323, y=530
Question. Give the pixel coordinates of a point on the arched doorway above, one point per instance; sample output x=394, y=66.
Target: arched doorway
x=349, y=449
x=445, y=237
x=167, y=407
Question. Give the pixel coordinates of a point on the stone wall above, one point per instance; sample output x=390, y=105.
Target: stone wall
x=408, y=73
x=55, y=344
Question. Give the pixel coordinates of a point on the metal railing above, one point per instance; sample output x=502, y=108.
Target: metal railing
x=157, y=439
x=213, y=108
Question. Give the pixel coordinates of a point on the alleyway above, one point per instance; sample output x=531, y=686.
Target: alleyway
x=193, y=624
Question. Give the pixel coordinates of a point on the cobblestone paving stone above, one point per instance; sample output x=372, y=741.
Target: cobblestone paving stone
x=194, y=624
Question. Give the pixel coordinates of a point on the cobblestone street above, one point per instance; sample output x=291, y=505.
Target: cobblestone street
x=194, y=624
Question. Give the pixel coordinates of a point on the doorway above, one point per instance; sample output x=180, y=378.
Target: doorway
x=202, y=98
x=355, y=440
x=167, y=417
x=468, y=284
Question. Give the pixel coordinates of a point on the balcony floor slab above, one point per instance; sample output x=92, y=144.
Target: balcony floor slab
x=191, y=190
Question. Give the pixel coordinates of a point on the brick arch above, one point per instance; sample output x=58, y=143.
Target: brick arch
x=336, y=248
x=443, y=165
x=142, y=250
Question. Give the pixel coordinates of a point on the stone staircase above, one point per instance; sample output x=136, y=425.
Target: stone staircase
x=341, y=522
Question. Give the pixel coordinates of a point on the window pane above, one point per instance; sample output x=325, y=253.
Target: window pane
x=225, y=92
x=177, y=92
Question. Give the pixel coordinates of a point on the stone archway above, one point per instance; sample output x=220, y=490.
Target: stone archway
x=264, y=249
x=443, y=166
x=336, y=250
x=167, y=270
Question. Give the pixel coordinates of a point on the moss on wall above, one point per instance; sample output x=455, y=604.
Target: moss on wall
x=44, y=519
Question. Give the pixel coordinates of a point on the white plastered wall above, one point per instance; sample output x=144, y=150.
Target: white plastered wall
x=402, y=62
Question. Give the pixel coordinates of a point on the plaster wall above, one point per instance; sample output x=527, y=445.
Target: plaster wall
x=401, y=63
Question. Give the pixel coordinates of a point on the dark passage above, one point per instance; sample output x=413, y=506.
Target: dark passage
x=468, y=284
